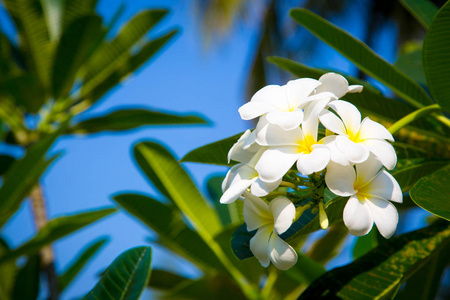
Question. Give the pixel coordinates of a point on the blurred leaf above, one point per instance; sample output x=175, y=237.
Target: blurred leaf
x=379, y=273
x=408, y=171
x=126, y=277
x=22, y=176
x=422, y=10
x=79, y=262
x=411, y=65
x=54, y=230
x=8, y=272
x=132, y=118
x=171, y=180
x=436, y=57
x=172, y=231
x=129, y=65
x=5, y=162
x=53, y=10
x=165, y=280
x=432, y=193
x=230, y=214
x=405, y=151
x=74, y=48
x=26, y=286
x=110, y=56
x=216, y=286
x=365, y=243
x=363, y=57
x=329, y=245
x=26, y=91
x=215, y=153
x=74, y=9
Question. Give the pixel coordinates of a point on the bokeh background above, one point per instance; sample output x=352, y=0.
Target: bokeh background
x=210, y=69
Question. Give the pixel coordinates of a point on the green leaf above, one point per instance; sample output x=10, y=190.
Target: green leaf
x=404, y=151
x=329, y=245
x=363, y=57
x=22, y=176
x=27, y=283
x=132, y=118
x=26, y=91
x=77, y=43
x=432, y=193
x=171, y=179
x=54, y=230
x=8, y=272
x=379, y=273
x=409, y=171
x=365, y=243
x=411, y=65
x=436, y=57
x=5, y=162
x=165, y=280
x=172, y=231
x=79, y=262
x=53, y=10
x=126, y=277
x=110, y=56
x=74, y=9
x=215, y=153
x=423, y=10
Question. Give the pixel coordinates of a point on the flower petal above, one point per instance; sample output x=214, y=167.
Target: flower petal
x=242, y=179
x=261, y=188
x=340, y=179
x=273, y=135
x=282, y=255
x=385, y=216
x=383, y=151
x=355, y=152
x=298, y=90
x=230, y=175
x=286, y=120
x=256, y=212
x=373, y=130
x=356, y=88
x=283, y=211
x=349, y=114
x=259, y=245
x=357, y=216
x=237, y=153
x=367, y=170
x=272, y=94
x=335, y=154
x=331, y=122
x=251, y=110
x=315, y=161
x=384, y=186
x=334, y=83
x=276, y=161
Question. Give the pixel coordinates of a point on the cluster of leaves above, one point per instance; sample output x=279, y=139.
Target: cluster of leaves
x=191, y=228
x=64, y=59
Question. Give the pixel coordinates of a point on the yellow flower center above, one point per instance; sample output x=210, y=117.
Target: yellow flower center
x=354, y=136
x=305, y=145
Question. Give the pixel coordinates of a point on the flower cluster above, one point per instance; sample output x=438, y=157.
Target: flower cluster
x=306, y=140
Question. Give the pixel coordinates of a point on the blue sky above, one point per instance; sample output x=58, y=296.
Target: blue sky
x=184, y=78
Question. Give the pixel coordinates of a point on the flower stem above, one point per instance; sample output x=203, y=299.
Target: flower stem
x=288, y=184
x=415, y=115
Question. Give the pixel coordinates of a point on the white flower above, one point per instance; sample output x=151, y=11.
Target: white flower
x=243, y=175
x=270, y=220
x=336, y=84
x=369, y=190
x=281, y=104
x=356, y=139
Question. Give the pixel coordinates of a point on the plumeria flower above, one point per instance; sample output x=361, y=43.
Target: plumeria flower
x=357, y=139
x=370, y=190
x=336, y=84
x=244, y=175
x=281, y=104
x=271, y=221
x=285, y=147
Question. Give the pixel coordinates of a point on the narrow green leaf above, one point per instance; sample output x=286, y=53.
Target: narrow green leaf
x=126, y=277
x=132, y=118
x=215, y=153
x=79, y=262
x=411, y=65
x=165, y=280
x=22, y=176
x=365, y=243
x=5, y=162
x=172, y=180
x=173, y=233
x=436, y=57
x=26, y=91
x=423, y=10
x=432, y=193
x=53, y=10
x=56, y=229
x=74, y=9
x=75, y=46
x=328, y=246
x=8, y=272
x=405, y=151
x=409, y=171
x=379, y=273
x=363, y=57
x=27, y=283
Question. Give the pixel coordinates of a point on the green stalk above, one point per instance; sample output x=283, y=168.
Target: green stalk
x=417, y=114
